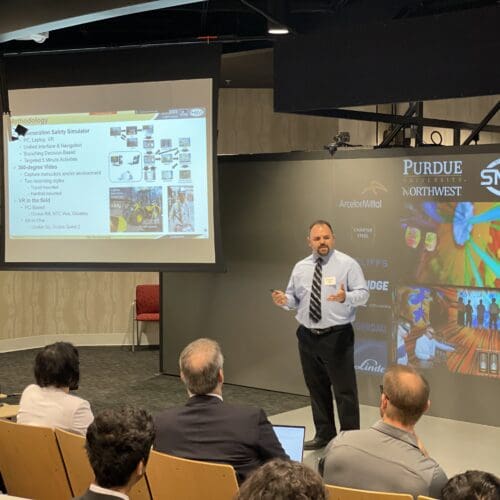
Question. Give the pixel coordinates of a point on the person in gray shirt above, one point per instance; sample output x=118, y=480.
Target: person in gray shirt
x=389, y=456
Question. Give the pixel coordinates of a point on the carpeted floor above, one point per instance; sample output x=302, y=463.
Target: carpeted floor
x=115, y=376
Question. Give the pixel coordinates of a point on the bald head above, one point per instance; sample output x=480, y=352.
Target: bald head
x=200, y=363
x=407, y=393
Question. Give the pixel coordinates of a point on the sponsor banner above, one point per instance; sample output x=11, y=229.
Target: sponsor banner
x=370, y=356
x=450, y=177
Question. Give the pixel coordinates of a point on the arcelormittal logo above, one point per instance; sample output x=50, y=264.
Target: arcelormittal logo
x=491, y=177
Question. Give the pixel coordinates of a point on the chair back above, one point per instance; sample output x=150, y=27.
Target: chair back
x=176, y=478
x=75, y=459
x=147, y=299
x=423, y=497
x=78, y=467
x=342, y=493
x=30, y=462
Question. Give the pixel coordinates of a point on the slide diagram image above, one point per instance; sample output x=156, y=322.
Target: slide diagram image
x=125, y=166
x=180, y=209
x=167, y=155
x=135, y=209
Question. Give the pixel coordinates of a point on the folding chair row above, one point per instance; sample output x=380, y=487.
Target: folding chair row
x=342, y=493
x=37, y=462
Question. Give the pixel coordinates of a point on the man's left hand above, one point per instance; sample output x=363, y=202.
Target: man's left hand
x=339, y=296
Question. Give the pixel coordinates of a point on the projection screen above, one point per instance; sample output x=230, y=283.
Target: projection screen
x=118, y=173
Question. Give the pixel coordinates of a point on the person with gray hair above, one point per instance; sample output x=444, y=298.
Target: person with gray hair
x=388, y=456
x=208, y=428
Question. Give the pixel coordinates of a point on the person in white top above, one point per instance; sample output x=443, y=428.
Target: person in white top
x=48, y=403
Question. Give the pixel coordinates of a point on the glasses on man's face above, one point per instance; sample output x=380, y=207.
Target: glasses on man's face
x=381, y=387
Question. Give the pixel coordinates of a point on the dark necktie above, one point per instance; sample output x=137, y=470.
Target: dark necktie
x=315, y=301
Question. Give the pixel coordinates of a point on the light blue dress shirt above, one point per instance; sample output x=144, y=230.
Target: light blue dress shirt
x=338, y=268
x=425, y=348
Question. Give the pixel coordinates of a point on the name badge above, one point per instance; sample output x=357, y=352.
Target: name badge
x=330, y=280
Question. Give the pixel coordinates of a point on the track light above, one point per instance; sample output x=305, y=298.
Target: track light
x=276, y=29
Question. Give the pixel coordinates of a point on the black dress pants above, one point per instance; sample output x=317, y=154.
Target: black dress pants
x=328, y=362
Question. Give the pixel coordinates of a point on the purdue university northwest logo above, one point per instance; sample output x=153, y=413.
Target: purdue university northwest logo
x=491, y=177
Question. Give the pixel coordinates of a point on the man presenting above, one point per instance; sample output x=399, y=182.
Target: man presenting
x=325, y=288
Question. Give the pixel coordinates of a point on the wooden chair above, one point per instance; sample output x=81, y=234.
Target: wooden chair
x=80, y=472
x=423, y=497
x=146, y=308
x=341, y=493
x=30, y=462
x=72, y=447
x=177, y=478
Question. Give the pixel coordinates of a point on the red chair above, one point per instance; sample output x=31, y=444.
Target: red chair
x=146, y=308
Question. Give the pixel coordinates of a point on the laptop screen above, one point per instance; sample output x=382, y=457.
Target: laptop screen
x=291, y=438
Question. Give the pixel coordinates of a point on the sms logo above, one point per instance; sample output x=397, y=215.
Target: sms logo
x=491, y=177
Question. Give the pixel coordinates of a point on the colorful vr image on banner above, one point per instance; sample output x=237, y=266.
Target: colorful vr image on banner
x=456, y=243
x=452, y=328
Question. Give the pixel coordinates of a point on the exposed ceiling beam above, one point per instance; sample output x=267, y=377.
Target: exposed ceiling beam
x=20, y=19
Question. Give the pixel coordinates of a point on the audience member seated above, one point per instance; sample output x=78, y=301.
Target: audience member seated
x=283, y=480
x=209, y=429
x=388, y=456
x=48, y=403
x=472, y=485
x=118, y=445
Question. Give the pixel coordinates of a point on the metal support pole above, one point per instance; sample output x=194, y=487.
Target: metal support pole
x=419, y=137
x=395, y=131
x=480, y=126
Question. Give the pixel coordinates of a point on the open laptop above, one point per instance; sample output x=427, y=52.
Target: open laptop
x=291, y=438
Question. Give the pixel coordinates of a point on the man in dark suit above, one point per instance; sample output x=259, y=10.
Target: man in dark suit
x=209, y=429
x=118, y=445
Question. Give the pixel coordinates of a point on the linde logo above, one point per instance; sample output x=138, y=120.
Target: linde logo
x=378, y=285
x=370, y=365
x=491, y=177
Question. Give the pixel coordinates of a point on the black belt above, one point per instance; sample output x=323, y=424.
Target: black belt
x=324, y=331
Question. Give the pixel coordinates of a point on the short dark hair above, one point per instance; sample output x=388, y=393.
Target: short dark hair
x=283, y=480
x=472, y=485
x=408, y=393
x=202, y=376
x=58, y=365
x=320, y=222
x=117, y=440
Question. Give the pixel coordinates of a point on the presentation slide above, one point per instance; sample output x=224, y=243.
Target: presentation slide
x=425, y=228
x=126, y=179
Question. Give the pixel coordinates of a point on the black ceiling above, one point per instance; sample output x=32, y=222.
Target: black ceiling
x=239, y=25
